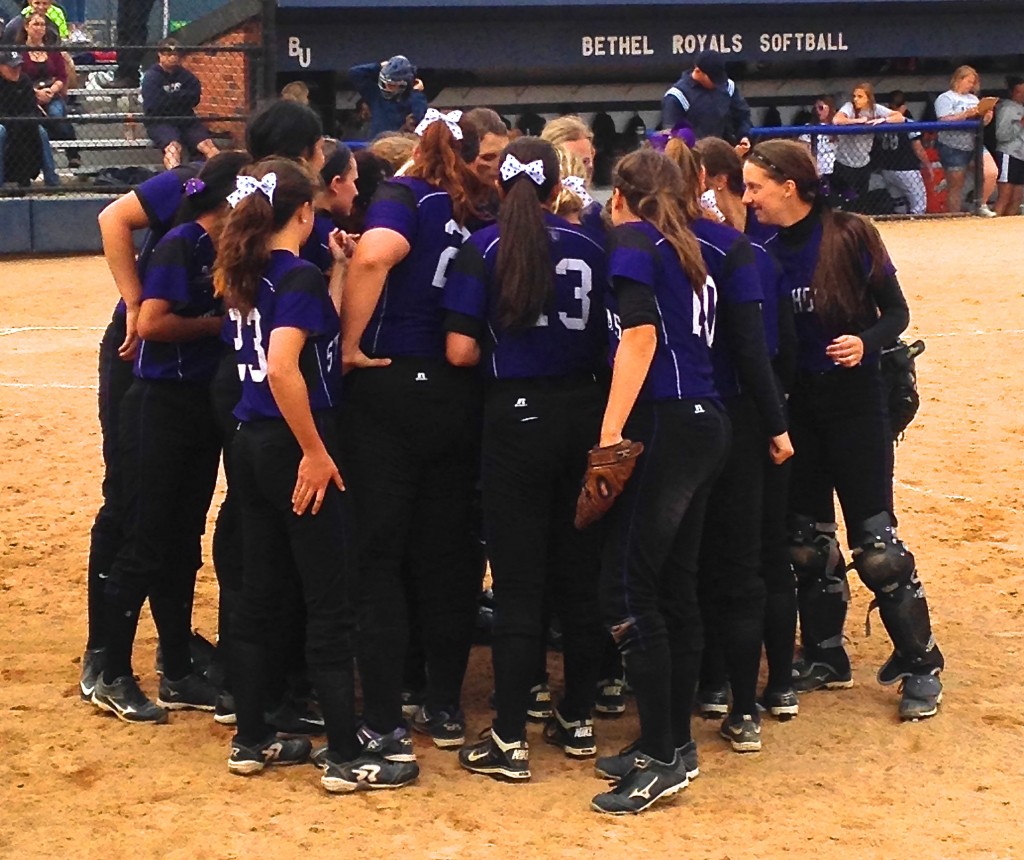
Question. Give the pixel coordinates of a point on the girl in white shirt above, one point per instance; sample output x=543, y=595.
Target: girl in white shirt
x=853, y=151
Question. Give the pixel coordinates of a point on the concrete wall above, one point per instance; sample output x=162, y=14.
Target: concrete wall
x=51, y=226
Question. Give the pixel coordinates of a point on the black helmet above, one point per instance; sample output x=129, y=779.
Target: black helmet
x=396, y=76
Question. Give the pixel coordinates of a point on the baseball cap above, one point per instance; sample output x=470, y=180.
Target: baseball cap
x=712, y=65
x=11, y=59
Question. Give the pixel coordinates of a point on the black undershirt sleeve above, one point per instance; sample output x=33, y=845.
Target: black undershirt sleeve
x=744, y=330
x=464, y=324
x=637, y=306
x=893, y=319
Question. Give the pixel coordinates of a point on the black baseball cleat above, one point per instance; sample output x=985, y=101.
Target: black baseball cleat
x=191, y=693
x=289, y=720
x=411, y=701
x=611, y=697
x=920, y=697
x=224, y=710
x=123, y=698
x=644, y=785
x=494, y=757
x=614, y=767
x=93, y=661
x=783, y=704
x=712, y=702
x=897, y=667
x=810, y=675
x=396, y=745
x=576, y=739
x=247, y=760
x=367, y=772
x=446, y=728
x=743, y=731
x=539, y=707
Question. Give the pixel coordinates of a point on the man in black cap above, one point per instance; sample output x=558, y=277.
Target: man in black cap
x=24, y=145
x=707, y=100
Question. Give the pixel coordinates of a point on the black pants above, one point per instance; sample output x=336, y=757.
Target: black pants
x=277, y=545
x=132, y=29
x=777, y=572
x=732, y=590
x=115, y=378
x=648, y=586
x=535, y=441
x=169, y=449
x=412, y=432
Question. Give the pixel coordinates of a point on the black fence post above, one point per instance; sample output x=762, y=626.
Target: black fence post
x=269, y=53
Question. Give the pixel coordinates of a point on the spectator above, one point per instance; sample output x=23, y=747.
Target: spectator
x=170, y=94
x=24, y=145
x=357, y=124
x=823, y=146
x=853, y=151
x=296, y=91
x=393, y=92
x=48, y=74
x=56, y=23
x=901, y=158
x=634, y=132
x=709, y=101
x=493, y=134
x=573, y=134
x=956, y=148
x=1010, y=149
x=132, y=29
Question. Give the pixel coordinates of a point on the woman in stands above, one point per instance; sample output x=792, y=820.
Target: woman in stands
x=956, y=148
x=48, y=72
x=853, y=151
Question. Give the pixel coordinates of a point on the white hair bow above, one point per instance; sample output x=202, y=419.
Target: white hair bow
x=450, y=119
x=246, y=185
x=578, y=186
x=512, y=167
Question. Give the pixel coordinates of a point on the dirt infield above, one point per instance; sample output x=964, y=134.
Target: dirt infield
x=845, y=780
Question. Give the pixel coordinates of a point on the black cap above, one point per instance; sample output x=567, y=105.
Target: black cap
x=10, y=58
x=712, y=65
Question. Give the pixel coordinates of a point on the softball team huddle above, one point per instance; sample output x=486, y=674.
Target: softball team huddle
x=370, y=392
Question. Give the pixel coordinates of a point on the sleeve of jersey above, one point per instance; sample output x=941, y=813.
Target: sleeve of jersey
x=632, y=255
x=394, y=208
x=167, y=276
x=161, y=196
x=743, y=282
x=465, y=293
x=302, y=300
x=893, y=314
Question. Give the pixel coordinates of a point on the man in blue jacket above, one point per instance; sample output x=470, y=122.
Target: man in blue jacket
x=708, y=101
x=170, y=93
x=392, y=91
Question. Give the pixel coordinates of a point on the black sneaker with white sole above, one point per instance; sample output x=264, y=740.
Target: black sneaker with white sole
x=224, y=710
x=540, y=707
x=712, y=702
x=191, y=693
x=396, y=745
x=781, y=704
x=93, y=661
x=123, y=698
x=494, y=757
x=290, y=720
x=247, y=760
x=611, y=697
x=576, y=738
x=644, y=785
x=810, y=675
x=920, y=697
x=743, y=731
x=447, y=728
x=367, y=772
x=614, y=767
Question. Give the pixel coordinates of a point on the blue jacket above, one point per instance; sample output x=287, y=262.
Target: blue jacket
x=721, y=112
x=386, y=114
x=169, y=93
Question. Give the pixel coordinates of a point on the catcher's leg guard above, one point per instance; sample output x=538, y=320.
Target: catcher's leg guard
x=887, y=567
x=823, y=595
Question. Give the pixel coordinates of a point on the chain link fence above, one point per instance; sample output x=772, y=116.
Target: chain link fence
x=94, y=99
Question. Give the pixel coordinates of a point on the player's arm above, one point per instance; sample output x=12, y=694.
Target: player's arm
x=117, y=222
x=364, y=79
x=158, y=321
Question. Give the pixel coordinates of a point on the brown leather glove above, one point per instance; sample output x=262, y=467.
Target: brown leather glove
x=608, y=469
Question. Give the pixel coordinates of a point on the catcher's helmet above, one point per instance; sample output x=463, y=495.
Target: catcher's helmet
x=396, y=76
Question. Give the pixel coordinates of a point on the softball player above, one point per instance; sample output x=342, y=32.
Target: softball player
x=848, y=305
x=524, y=301
x=661, y=315
x=411, y=438
x=169, y=449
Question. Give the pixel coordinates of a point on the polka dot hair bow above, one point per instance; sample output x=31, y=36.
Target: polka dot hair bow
x=511, y=167
x=578, y=186
x=246, y=185
x=449, y=119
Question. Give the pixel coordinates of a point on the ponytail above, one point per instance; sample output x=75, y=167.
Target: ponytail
x=438, y=160
x=208, y=190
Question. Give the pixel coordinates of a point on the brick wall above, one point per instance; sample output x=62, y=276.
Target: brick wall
x=227, y=79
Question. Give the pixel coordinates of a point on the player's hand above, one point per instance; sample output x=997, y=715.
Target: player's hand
x=878, y=120
x=780, y=449
x=126, y=351
x=743, y=147
x=846, y=350
x=358, y=359
x=316, y=473
x=342, y=244
x=417, y=85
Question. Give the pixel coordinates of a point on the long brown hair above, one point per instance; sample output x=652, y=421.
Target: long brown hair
x=523, y=270
x=655, y=191
x=678, y=151
x=720, y=159
x=851, y=259
x=244, y=248
x=438, y=160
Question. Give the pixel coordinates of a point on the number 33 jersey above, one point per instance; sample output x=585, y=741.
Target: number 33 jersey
x=292, y=294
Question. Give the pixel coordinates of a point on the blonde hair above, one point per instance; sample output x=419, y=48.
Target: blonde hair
x=566, y=129
x=961, y=72
x=567, y=203
x=394, y=147
x=296, y=91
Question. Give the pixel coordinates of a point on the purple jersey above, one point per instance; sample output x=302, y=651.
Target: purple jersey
x=686, y=326
x=567, y=339
x=733, y=268
x=180, y=272
x=775, y=290
x=316, y=248
x=592, y=223
x=409, y=318
x=292, y=294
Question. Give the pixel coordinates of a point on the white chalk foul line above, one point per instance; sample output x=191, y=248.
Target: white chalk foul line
x=24, y=328
x=974, y=333
x=950, y=497
x=47, y=385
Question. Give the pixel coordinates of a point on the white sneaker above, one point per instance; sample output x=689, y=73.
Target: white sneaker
x=985, y=212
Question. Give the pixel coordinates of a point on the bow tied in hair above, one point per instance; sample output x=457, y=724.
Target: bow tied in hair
x=578, y=186
x=511, y=167
x=450, y=119
x=246, y=185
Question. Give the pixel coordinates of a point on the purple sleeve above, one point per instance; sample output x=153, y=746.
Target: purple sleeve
x=301, y=295
x=160, y=198
x=167, y=276
x=465, y=290
x=632, y=255
x=393, y=207
x=742, y=280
